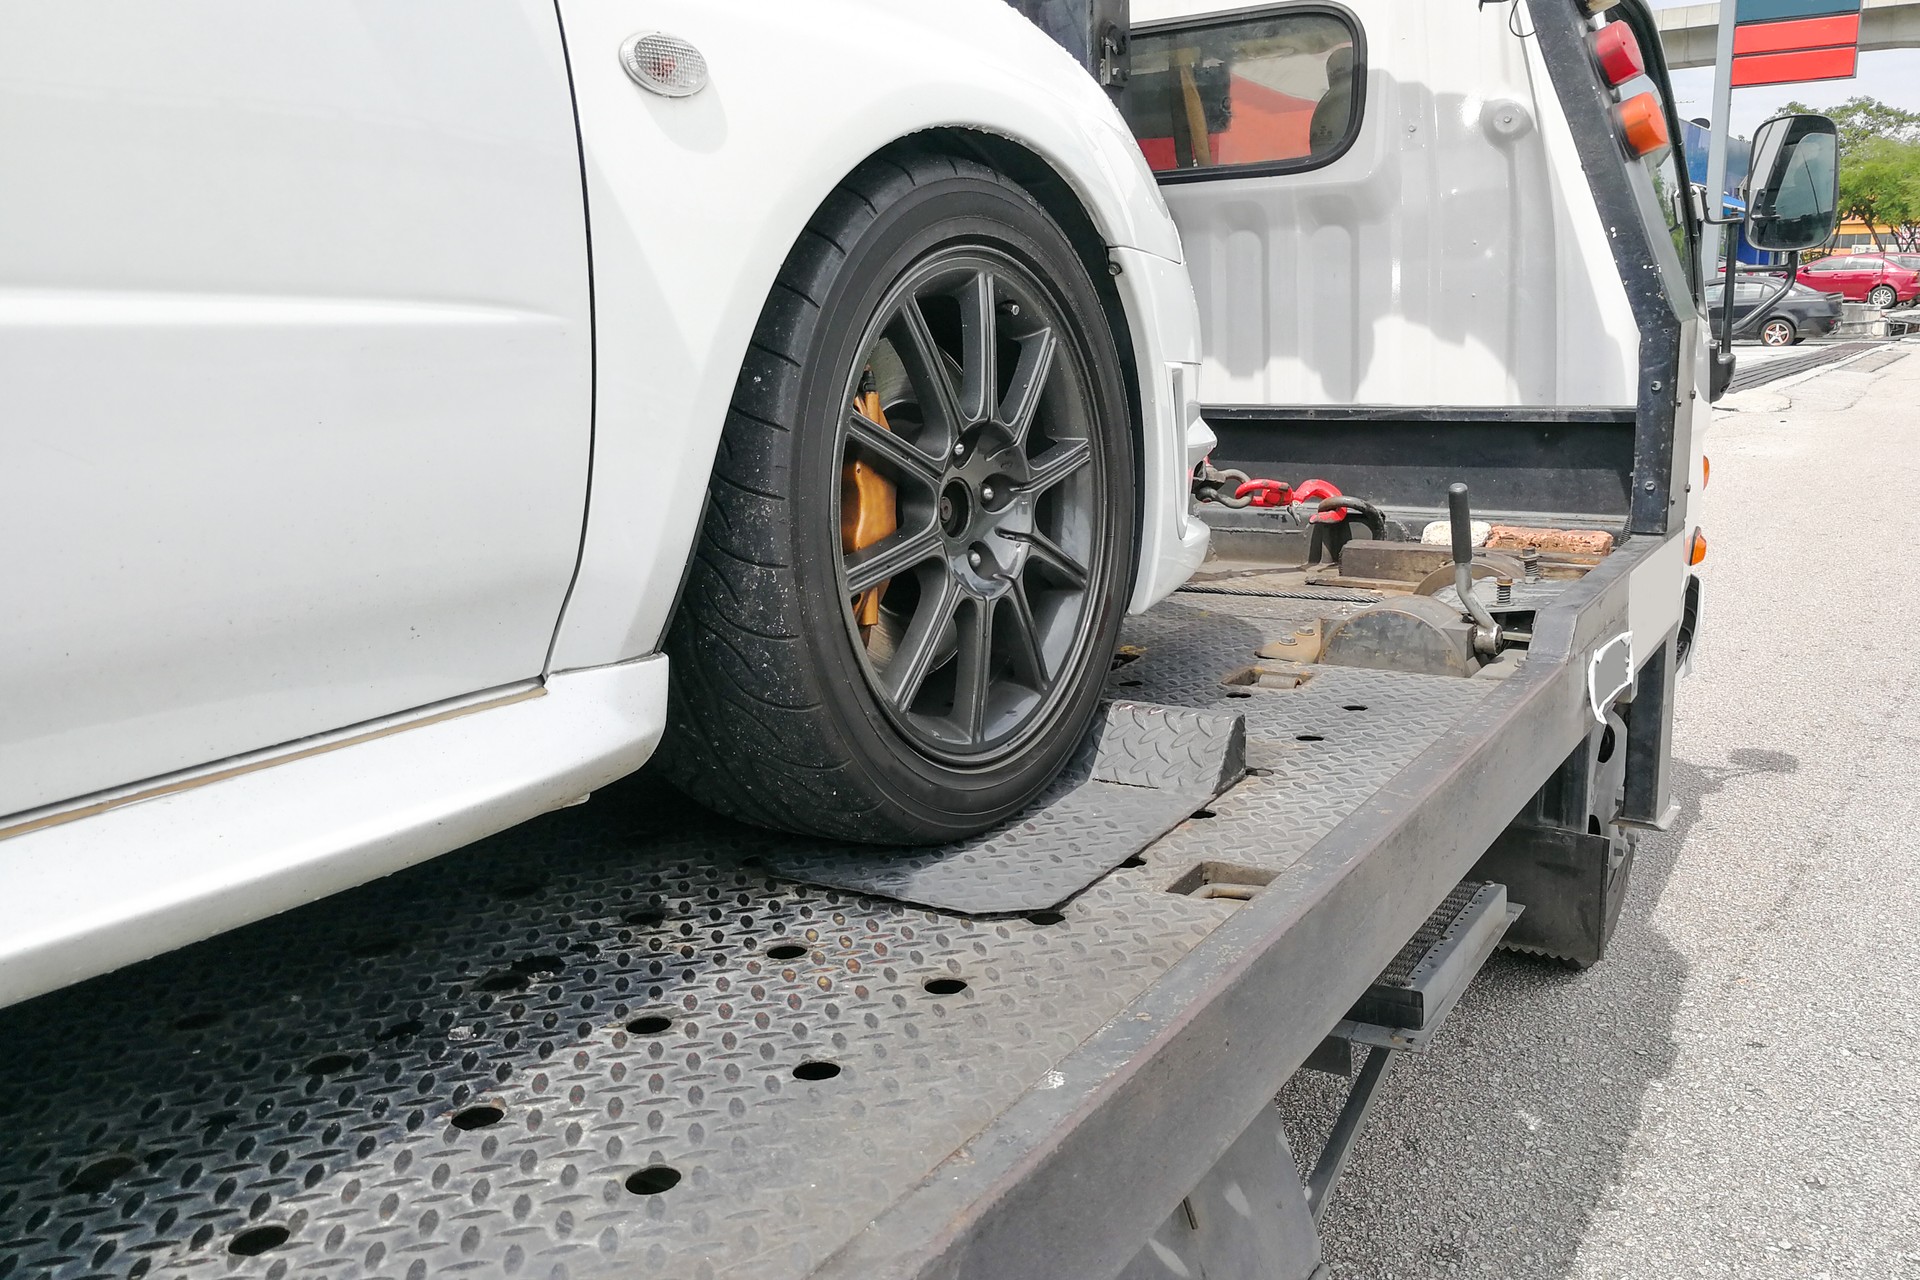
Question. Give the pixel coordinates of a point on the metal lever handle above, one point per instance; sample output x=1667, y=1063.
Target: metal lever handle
x=1462, y=520
x=1486, y=633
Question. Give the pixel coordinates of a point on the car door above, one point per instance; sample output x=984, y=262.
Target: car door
x=1855, y=276
x=295, y=382
x=1824, y=275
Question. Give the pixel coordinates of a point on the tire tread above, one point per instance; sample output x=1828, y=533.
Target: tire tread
x=747, y=732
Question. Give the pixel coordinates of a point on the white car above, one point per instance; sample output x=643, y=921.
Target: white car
x=412, y=411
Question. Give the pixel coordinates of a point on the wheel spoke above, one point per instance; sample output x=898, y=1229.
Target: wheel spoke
x=1056, y=465
x=1029, y=380
x=979, y=365
x=1049, y=555
x=926, y=366
x=1029, y=664
x=973, y=676
x=890, y=557
x=904, y=463
x=913, y=660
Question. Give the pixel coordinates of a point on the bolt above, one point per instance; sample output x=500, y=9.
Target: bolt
x=959, y=448
x=1648, y=486
x=973, y=558
x=986, y=493
x=1503, y=590
x=1011, y=308
x=1530, y=558
x=1656, y=386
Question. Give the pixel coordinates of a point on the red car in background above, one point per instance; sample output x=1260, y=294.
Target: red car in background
x=1884, y=279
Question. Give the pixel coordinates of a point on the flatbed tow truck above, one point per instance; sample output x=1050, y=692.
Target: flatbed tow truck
x=634, y=1039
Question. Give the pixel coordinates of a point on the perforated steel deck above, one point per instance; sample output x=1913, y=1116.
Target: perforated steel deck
x=611, y=1043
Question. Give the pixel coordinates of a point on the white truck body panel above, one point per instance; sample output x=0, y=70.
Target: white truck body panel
x=1453, y=256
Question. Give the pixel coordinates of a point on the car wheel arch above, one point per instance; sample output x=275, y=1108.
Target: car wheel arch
x=1051, y=189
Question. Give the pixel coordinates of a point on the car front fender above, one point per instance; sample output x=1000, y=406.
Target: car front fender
x=695, y=202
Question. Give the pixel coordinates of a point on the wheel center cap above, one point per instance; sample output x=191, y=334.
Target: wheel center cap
x=956, y=508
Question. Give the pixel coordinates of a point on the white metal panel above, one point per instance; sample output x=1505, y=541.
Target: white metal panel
x=96, y=893
x=696, y=201
x=1451, y=258
x=294, y=371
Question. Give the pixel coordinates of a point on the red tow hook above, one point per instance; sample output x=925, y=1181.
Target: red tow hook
x=1314, y=491
x=1266, y=493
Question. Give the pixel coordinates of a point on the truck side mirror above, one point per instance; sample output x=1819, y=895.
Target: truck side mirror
x=1793, y=184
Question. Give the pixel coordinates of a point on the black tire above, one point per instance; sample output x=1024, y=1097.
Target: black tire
x=1779, y=331
x=784, y=711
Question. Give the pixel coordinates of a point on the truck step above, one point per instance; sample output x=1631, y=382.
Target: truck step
x=1415, y=992
x=1402, y=1009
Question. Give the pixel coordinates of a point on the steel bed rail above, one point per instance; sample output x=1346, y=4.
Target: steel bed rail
x=1165, y=1088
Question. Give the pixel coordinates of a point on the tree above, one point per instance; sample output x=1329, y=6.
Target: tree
x=1879, y=148
x=1879, y=179
x=1862, y=120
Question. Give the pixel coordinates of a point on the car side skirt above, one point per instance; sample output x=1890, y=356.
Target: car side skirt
x=88, y=891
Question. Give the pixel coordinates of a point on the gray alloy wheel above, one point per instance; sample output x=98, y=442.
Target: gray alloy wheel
x=1882, y=296
x=985, y=581
x=1778, y=332
x=920, y=527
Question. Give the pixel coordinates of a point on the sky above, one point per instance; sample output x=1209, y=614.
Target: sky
x=1893, y=76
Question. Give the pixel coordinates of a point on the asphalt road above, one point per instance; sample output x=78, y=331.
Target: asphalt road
x=1735, y=1091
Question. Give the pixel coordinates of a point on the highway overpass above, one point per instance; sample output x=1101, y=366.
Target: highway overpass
x=1688, y=32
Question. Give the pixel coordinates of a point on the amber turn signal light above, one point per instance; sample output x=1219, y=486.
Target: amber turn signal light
x=1618, y=53
x=1697, y=547
x=1643, y=124
x=1706, y=471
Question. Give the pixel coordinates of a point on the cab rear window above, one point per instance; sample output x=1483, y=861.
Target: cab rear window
x=1269, y=93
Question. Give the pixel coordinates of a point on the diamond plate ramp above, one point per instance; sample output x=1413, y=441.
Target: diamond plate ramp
x=1143, y=770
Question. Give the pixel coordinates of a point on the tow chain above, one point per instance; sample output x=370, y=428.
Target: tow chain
x=1236, y=489
x=1210, y=484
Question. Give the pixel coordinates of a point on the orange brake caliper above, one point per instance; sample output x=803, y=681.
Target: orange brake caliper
x=868, y=508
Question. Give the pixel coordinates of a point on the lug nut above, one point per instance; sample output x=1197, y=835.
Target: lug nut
x=959, y=448
x=986, y=493
x=973, y=558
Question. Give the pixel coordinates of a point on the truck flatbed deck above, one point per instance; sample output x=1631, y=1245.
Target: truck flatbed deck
x=609, y=1042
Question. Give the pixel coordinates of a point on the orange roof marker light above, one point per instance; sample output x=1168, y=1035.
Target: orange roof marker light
x=1618, y=53
x=1643, y=125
